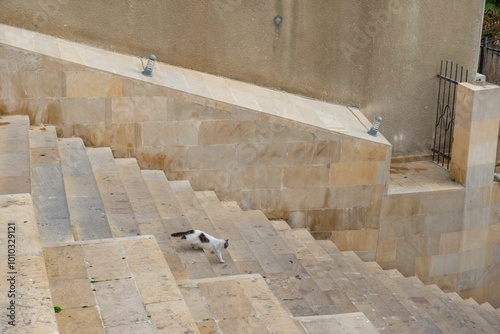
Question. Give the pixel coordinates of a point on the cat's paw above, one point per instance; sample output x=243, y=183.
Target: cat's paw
x=222, y=261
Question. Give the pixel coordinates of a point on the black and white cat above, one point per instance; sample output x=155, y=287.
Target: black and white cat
x=200, y=239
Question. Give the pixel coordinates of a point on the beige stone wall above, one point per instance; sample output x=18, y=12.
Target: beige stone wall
x=285, y=168
x=451, y=238
x=380, y=55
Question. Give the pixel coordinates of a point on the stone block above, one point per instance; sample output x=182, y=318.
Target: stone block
x=356, y=150
x=65, y=263
x=361, y=240
x=483, y=132
x=336, y=219
x=402, y=227
x=50, y=84
x=119, y=302
x=364, y=196
x=305, y=176
x=400, y=205
x=139, y=109
x=386, y=250
x=258, y=177
x=143, y=255
x=446, y=222
x=442, y=201
x=157, y=286
x=80, y=321
x=171, y=317
x=106, y=261
x=450, y=242
x=474, y=238
x=226, y=132
x=210, y=157
x=92, y=84
x=473, y=259
x=493, y=234
x=303, y=198
x=481, y=175
x=354, y=174
x=23, y=84
x=82, y=111
x=444, y=264
x=158, y=134
x=268, y=132
x=72, y=294
x=143, y=328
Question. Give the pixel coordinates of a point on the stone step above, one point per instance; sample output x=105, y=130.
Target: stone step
x=309, y=279
x=119, y=212
x=147, y=216
x=14, y=155
x=47, y=186
x=86, y=209
x=238, y=250
x=195, y=263
x=494, y=321
x=242, y=254
x=115, y=286
x=199, y=220
x=423, y=311
x=283, y=284
x=347, y=323
x=475, y=320
x=487, y=307
x=26, y=301
x=359, y=291
x=236, y=304
x=320, y=269
x=407, y=304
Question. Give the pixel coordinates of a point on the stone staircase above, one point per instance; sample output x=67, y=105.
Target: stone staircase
x=103, y=255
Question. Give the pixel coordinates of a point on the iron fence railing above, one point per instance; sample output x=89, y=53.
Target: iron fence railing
x=450, y=76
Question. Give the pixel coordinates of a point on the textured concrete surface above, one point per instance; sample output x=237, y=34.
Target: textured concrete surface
x=379, y=55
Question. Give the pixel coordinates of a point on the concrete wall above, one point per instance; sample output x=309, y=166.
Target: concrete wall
x=379, y=55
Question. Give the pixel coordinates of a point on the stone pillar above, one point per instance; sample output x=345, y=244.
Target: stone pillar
x=475, y=136
x=475, y=141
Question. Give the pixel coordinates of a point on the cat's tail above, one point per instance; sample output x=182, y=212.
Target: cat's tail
x=181, y=234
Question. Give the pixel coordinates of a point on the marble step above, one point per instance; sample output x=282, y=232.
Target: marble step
x=119, y=212
x=308, y=279
x=47, y=186
x=195, y=263
x=346, y=323
x=236, y=304
x=320, y=268
x=359, y=291
x=223, y=224
x=494, y=321
x=115, y=286
x=418, y=305
x=86, y=209
x=487, y=307
x=393, y=305
x=476, y=320
x=147, y=216
x=14, y=155
x=199, y=220
x=26, y=300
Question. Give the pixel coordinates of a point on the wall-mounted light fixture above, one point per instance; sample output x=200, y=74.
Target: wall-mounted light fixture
x=148, y=70
x=376, y=124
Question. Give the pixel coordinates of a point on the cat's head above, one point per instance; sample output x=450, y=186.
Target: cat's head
x=226, y=244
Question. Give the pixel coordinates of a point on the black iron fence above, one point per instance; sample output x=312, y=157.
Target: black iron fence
x=489, y=60
x=449, y=76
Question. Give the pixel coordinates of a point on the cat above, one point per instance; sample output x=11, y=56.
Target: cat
x=200, y=239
